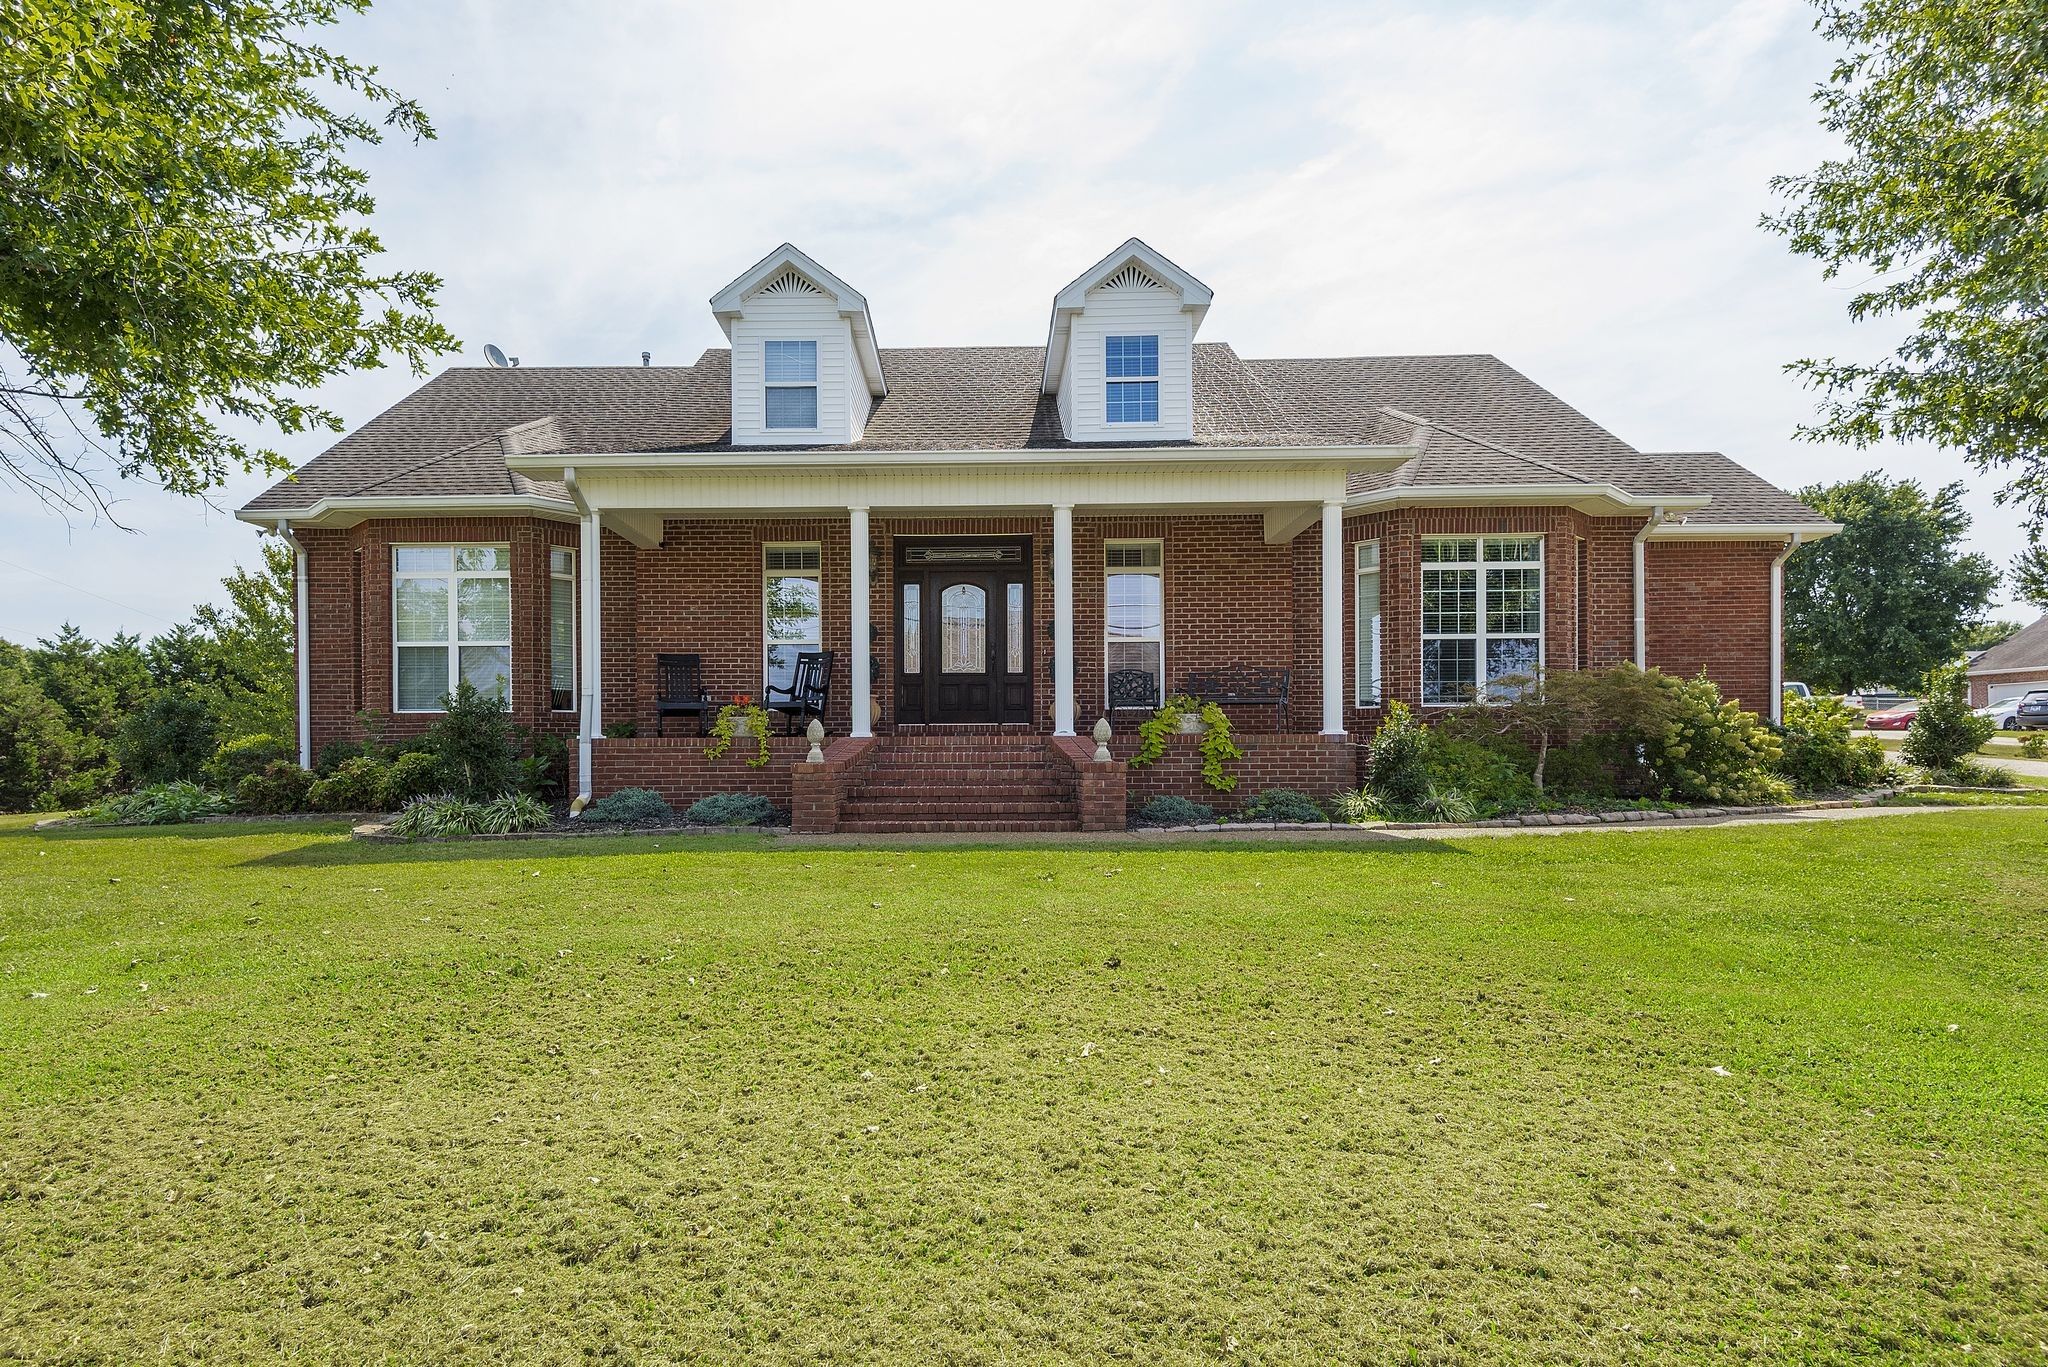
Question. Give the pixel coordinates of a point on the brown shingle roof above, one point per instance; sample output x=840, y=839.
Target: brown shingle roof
x=2025, y=649
x=1487, y=423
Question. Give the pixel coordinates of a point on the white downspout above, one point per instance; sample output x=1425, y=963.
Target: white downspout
x=586, y=618
x=1778, y=627
x=1656, y=520
x=301, y=640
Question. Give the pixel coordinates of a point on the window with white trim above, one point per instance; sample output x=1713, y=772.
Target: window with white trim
x=1366, y=627
x=451, y=622
x=1134, y=611
x=562, y=629
x=1131, y=368
x=1482, y=614
x=792, y=609
x=789, y=371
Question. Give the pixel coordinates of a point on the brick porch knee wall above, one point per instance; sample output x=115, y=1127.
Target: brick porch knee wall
x=1320, y=766
x=677, y=768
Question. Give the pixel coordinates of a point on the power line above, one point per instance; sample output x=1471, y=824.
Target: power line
x=128, y=607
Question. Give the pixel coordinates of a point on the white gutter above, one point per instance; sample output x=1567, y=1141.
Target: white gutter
x=586, y=665
x=426, y=505
x=1778, y=626
x=768, y=460
x=1683, y=530
x=1655, y=519
x=301, y=641
x=1515, y=495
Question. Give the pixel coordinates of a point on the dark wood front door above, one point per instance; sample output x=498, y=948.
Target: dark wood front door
x=963, y=632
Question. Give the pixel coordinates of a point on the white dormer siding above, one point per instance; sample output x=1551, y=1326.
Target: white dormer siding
x=787, y=297
x=1134, y=292
x=795, y=315
x=1133, y=305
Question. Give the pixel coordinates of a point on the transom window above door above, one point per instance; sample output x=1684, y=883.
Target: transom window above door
x=1131, y=368
x=789, y=371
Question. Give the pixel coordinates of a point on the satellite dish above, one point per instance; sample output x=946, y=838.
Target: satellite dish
x=495, y=354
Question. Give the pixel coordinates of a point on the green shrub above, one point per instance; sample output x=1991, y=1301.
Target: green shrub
x=446, y=815
x=551, y=752
x=40, y=755
x=1284, y=804
x=621, y=730
x=1820, y=754
x=1969, y=773
x=159, y=804
x=1446, y=804
x=281, y=787
x=414, y=773
x=631, y=807
x=357, y=786
x=1945, y=730
x=246, y=756
x=473, y=741
x=1174, y=811
x=1487, y=777
x=334, y=754
x=1712, y=751
x=1399, y=777
x=2033, y=747
x=730, y=809
x=1590, y=767
x=169, y=738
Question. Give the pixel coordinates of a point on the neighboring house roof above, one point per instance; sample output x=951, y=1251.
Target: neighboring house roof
x=2024, y=650
x=1476, y=420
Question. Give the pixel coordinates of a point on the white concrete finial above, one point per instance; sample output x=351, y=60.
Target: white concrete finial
x=1102, y=755
x=816, y=732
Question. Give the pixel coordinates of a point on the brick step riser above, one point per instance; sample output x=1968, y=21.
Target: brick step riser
x=1023, y=826
x=948, y=811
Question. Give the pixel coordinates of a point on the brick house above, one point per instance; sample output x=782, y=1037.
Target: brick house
x=991, y=541
x=2011, y=669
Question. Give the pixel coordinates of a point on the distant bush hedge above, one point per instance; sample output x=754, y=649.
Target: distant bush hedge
x=357, y=786
x=282, y=787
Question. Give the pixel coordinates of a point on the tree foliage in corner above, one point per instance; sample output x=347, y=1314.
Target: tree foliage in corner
x=1941, y=204
x=1890, y=596
x=2030, y=576
x=182, y=237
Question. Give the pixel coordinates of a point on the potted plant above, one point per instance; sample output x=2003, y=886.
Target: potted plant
x=738, y=718
x=1209, y=720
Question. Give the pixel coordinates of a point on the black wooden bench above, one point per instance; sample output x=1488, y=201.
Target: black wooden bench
x=1242, y=686
x=679, y=690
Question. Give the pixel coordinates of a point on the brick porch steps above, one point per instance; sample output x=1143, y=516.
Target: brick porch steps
x=967, y=783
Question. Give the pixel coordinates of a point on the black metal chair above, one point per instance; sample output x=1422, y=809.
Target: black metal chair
x=1132, y=690
x=810, y=689
x=679, y=690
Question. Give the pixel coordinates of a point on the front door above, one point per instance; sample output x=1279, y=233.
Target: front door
x=963, y=650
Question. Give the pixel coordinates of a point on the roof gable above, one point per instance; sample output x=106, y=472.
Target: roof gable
x=1134, y=265
x=787, y=272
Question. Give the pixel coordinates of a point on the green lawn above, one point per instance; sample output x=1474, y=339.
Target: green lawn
x=1770, y=1094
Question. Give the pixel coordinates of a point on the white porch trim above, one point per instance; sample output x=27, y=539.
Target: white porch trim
x=1333, y=618
x=863, y=686
x=1063, y=619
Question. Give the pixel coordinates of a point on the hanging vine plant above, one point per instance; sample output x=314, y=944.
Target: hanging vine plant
x=725, y=725
x=1218, y=749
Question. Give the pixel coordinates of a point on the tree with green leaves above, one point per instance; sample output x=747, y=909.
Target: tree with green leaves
x=2029, y=576
x=1939, y=205
x=183, y=238
x=1890, y=596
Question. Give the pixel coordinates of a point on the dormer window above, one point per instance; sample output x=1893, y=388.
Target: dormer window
x=1131, y=371
x=790, y=372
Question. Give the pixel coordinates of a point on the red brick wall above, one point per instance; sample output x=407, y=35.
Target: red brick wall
x=348, y=594
x=1980, y=688
x=1708, y=606
x=1313, y=764
x=1230, y=599
x=676, y=768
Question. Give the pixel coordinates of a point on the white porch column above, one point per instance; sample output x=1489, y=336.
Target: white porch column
x=1333, y=618
x=591, y=582
x=1063, y=619
x=863, y=686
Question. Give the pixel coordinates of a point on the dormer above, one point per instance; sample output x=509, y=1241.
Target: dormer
x=805, y=367
x=1121, y=351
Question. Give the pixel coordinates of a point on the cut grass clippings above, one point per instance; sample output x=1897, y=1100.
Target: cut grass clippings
x=1763, y=1093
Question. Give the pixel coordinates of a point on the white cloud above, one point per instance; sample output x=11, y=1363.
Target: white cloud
x=1575, y=187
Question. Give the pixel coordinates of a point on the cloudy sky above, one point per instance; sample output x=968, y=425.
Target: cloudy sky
x=1574, y=187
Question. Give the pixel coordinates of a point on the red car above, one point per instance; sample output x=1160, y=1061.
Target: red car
x=1897, y=719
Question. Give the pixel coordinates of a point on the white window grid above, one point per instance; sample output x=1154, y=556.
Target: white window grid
x=454, y=642
x=1146, y=558
x=1366, y=634
x=789, y=364
x=1499, y=599
x=799, y=561
x=562, y=610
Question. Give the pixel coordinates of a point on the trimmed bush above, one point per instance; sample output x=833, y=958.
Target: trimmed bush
x=160, y=804
x=1713, y=751
x=1945, y=731
x=1284, y=804
x=631, y=807
x=281, y=787
x=357, y=786
x=1820, y=754
x=413, y=774
x=730, y=809
x=247, y=756
x=1399, y=778
x=1174, y=811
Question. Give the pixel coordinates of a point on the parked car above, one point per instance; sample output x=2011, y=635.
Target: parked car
x=2003, y=715
x=1881, y=699
x=1899, y=718
x=1794, y=689
x=2032, y=713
